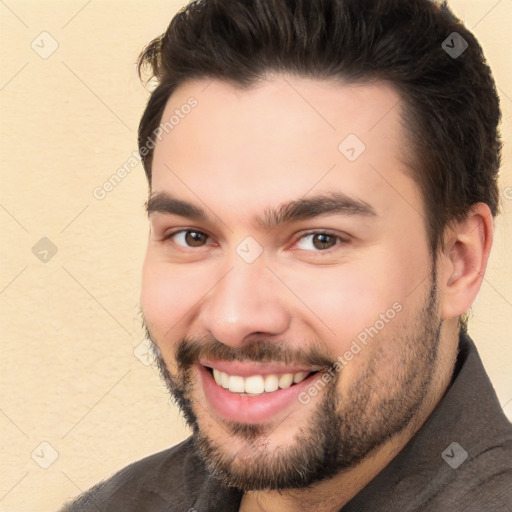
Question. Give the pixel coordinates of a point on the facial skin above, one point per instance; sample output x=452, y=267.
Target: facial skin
x=304, y=300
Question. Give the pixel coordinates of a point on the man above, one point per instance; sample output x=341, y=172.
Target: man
x=322, y=190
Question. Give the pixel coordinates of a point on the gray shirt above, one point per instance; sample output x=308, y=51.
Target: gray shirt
x=459, y=461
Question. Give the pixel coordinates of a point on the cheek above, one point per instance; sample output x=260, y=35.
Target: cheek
x=169, y=294
x=345, y=300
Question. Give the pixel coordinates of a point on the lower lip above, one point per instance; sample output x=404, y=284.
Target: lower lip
x=251, y=409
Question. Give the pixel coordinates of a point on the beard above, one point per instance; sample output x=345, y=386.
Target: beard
x=343, y=428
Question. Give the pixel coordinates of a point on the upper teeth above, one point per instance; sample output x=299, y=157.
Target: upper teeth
x=257, y=384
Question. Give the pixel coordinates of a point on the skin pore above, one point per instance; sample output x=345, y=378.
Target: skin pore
x=244, y=163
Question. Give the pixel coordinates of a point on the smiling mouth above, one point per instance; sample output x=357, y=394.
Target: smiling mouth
x=256, y=385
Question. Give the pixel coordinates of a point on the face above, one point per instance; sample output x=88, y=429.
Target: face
x=288, y=283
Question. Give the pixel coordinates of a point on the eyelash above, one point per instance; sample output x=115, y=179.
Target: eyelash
x=341, y=241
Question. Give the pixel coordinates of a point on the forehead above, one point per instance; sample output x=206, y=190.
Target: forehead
x=282, y=139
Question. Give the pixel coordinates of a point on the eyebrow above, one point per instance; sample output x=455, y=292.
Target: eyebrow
x=292, y=211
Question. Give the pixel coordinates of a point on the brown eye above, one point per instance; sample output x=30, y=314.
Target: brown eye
x=195, y=239
x=188, y=238
x=323, y=241
x=318, y=242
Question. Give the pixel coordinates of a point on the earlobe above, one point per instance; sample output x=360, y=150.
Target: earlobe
x=464, y=261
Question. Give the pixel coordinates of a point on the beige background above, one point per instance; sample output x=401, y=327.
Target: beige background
x=69, y=377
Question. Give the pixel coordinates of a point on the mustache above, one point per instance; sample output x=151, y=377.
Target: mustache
x=190, y=350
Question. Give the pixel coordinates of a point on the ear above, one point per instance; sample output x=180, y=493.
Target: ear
x=462, y=264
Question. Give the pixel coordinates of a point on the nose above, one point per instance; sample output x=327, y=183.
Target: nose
x=247, y=300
